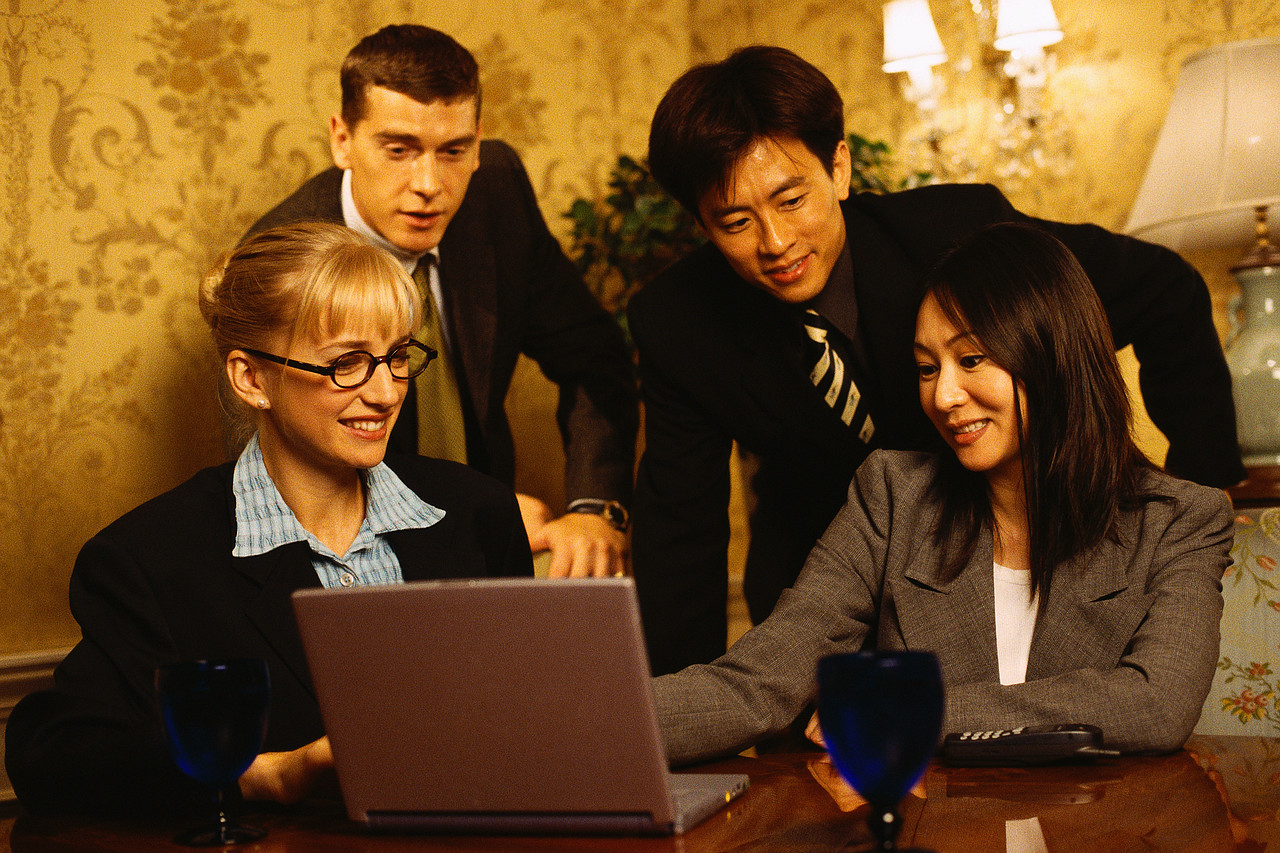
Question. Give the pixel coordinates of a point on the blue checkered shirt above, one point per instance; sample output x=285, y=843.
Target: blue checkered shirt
x=265, y=522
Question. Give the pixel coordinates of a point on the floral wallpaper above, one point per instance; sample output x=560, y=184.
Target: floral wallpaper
x=139, y=140
x=1243, y=697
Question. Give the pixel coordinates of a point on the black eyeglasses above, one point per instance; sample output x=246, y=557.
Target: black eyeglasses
x=353, y=369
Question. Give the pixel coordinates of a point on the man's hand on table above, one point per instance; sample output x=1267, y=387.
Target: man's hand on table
x=581, y=544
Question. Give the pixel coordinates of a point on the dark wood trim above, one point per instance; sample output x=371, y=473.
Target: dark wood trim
x=1260, y=488
x=21, y=674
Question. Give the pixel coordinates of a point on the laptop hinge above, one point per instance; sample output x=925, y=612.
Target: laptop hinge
x=518, y=823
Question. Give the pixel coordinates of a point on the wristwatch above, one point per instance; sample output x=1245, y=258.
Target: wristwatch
x=611, y=511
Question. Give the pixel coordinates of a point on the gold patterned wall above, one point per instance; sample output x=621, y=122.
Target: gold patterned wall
x=138, y=140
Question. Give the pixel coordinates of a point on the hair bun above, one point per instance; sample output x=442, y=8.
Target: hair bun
x=210, y=285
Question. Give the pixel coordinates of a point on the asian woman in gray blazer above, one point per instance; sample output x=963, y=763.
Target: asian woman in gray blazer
x=1057, y=574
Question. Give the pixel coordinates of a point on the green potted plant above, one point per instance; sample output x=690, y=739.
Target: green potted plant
x=621, y=242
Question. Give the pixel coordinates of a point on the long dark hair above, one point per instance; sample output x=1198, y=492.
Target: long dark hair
x=1024, y=297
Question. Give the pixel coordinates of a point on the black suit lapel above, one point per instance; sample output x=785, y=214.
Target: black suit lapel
x=277, y=574
x=424, y=554
x=776, y=379
x=469, y=279
x=768, y=347
x=887, y=281
x=429, y=553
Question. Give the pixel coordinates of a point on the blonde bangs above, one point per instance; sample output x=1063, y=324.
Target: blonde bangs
x=354, y=288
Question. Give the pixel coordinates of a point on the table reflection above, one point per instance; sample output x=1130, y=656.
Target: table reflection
x=1221, y=794
x=1246, y=773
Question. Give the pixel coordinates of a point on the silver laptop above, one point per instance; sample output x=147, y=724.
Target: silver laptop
x=497, y=706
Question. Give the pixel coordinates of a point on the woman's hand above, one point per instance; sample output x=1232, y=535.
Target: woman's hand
x=826, y=775
x=287, y=777
x=824, y=771
x=813, y=731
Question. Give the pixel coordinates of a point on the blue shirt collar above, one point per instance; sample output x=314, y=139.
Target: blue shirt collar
x=264, y=521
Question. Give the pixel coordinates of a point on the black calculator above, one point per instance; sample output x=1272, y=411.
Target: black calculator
x=1025, y=745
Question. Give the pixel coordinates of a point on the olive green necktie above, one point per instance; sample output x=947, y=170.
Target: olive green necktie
x=441, y=430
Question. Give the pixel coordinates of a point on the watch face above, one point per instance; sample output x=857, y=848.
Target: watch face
x=611, y=511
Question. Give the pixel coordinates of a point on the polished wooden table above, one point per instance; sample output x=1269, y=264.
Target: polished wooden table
x=1220, y=794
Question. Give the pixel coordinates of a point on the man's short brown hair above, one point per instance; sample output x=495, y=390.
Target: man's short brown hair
x=424, y=64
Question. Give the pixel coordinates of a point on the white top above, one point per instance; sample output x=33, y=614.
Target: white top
x=1015, y=622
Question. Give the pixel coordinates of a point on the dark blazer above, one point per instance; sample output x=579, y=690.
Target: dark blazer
x=721, y=362
x=160, y=585
x=1127, y=639
x=509, y=289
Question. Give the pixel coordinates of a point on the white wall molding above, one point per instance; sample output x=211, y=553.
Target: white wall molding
x=21, y=674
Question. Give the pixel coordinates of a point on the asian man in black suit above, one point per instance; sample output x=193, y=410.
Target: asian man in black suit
x=790, y=333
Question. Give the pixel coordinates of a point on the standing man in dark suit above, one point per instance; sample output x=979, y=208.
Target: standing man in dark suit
x=412, y=174
x=790, y=333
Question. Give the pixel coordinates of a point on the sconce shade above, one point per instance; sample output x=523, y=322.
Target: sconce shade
x=910, y=37
x=1026, y=24
x=1218, y=154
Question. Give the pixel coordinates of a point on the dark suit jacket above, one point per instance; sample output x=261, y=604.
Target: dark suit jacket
x=509, y=289
x=160, y=585
x=721, y=362
x=1127, y=639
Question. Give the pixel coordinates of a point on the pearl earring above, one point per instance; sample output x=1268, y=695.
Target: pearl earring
x=262, y=404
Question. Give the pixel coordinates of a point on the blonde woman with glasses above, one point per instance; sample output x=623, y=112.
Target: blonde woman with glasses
x=313, y=325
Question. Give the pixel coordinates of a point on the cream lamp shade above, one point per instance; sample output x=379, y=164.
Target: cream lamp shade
x=1217, y=158
x=1026, y=24
x=910, y=37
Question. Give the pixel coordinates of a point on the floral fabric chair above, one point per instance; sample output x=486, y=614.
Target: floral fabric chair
x=1243, y=698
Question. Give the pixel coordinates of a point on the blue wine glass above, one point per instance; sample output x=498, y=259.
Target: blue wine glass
x=881, y=713
x=215, y=719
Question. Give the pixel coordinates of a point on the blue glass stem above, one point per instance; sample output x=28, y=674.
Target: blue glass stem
x=222, y=825
x=885, y=825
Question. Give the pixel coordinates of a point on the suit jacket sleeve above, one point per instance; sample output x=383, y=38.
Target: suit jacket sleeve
x=94, y=743
x=156, y=586
x=1134, y=656
x=769, y=675
x=681, y=524
x=1157, y=302
x=577, y=345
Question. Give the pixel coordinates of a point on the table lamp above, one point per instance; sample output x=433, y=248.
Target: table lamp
x=1214, y=173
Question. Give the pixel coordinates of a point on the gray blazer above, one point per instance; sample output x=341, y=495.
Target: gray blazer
x=1127, y=640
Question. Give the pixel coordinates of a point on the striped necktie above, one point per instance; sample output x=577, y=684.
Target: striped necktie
x=442, y=431
x=831, y=377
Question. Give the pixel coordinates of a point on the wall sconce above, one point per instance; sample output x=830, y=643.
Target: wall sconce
x=1024, y=28
x=1214, y=173
x=911, y=44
